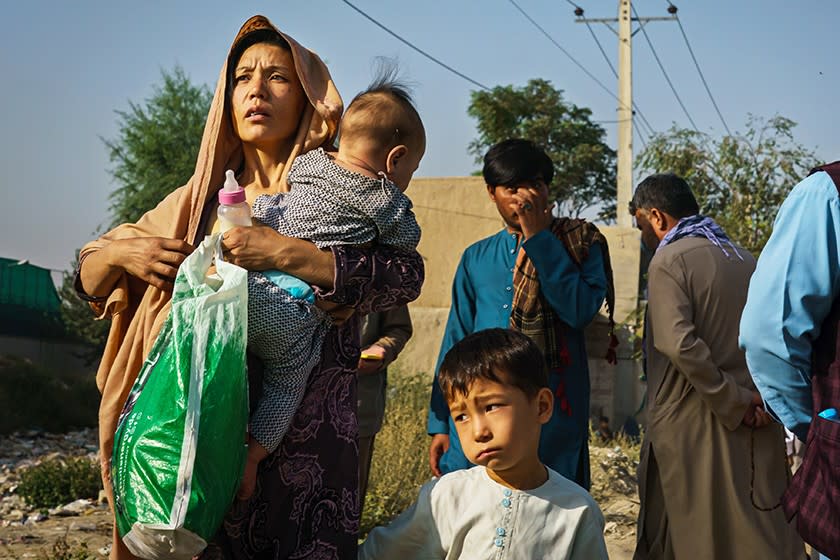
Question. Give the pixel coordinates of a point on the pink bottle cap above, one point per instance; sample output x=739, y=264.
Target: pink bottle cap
x=231, y=193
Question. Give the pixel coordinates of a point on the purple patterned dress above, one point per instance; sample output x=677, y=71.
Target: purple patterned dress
x=306, y=503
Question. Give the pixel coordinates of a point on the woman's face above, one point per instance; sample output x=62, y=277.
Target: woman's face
x=267, y=99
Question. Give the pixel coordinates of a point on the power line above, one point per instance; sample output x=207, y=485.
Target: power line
x=636, y=109
x=702, y=78
x=664, y=73
x=564, y=51
x=600, y=48
x=574, y=60
x=479, y=84
x=419, y=50
x=579, y=65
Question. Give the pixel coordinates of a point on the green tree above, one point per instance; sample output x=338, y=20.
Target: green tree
x=584, y=165
x=154, y=153
x=157, y=145
x=739, y=180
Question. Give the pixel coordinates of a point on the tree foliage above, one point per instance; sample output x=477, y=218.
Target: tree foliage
x=584, y=164
x=153, y=154
x=739, y=180
x=157, y=145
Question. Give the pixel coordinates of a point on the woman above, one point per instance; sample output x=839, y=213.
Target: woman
x=274, y=100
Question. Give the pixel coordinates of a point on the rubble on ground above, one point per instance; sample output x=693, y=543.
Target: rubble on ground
x=28, y=532
x=615, y=488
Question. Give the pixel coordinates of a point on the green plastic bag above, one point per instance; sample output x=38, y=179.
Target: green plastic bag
x=179, y=449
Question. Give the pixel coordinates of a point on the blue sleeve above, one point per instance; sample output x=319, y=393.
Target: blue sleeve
x=790, y=295
x=461, y=322
x=575, y=293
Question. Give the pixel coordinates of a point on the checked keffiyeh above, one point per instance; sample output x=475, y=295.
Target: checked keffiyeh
x=700, y=226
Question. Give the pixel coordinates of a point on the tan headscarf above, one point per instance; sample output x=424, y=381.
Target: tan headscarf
x=137, y=309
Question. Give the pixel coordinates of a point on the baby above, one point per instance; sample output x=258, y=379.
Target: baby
x=510, y=505
x=352, y=197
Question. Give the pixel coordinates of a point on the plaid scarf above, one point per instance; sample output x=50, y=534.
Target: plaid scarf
x=533, y=316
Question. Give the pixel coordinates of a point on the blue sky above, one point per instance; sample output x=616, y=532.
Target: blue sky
x=67, y=66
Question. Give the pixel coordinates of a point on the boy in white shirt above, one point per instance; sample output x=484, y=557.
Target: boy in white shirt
x=510, y=505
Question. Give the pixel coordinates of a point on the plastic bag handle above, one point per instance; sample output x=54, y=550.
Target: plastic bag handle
x=218, y=252
x=194, y=268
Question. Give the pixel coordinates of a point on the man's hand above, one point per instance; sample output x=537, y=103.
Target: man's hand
x=755, y=416
x=371, y=360
x=439, y=446
x=533, y=210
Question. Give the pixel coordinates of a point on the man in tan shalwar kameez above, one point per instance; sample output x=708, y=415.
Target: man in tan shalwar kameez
x=703, y=494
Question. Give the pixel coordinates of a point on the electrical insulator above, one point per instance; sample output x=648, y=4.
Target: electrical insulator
x=672, y=9
x=579, y=11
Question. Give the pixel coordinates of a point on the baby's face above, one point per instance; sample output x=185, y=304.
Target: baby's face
x=498, y=425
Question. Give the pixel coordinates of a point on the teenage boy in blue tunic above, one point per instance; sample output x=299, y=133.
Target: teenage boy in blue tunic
x=559, y=263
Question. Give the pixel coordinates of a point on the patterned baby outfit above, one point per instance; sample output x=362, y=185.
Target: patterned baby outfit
x=327, y=205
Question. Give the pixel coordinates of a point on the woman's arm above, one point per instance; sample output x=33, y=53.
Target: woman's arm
x=363, y=278
x=376, y=279
x=155, y=260
x=149, y=250
x=263, y=248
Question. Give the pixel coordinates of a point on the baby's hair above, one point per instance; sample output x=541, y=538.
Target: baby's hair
x=384, y=113
x=499, y=355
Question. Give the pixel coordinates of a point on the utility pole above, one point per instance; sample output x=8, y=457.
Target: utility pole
x=624, y=175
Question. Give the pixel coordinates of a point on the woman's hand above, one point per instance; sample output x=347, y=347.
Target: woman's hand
x=253, y=248
x=155, y=260
x=262, y=248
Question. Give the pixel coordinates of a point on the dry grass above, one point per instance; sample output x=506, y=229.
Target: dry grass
x=400, y=462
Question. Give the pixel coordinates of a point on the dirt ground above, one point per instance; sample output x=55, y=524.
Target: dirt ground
x=82, y=530
x=76, y=538
x=60, y=537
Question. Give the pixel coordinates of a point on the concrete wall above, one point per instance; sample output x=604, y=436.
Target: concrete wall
x=455, y=212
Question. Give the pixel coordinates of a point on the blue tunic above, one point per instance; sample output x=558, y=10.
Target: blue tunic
x=791, y=292
x=482, y=295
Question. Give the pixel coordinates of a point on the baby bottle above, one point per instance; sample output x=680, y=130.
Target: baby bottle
x=233, y=210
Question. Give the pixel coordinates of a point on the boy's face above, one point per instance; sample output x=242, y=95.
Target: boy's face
x=498, y=425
